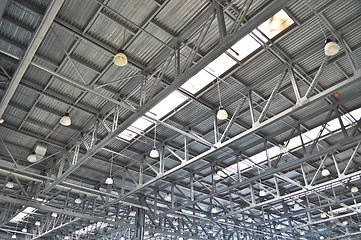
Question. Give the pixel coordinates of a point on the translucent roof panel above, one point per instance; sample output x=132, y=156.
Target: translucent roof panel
x=243, y=47
x=220, y=65
x=167, y=105
x=198, y=82
x=276, y=24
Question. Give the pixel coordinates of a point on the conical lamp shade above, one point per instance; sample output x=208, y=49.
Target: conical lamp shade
x=65, y=120
x=109, y=181
x=154, y=153
x=331, y=48
x=120, y=59
x=222, y=114
x=32, y=157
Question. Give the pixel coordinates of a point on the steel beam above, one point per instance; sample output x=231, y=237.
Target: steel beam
x=39, y=35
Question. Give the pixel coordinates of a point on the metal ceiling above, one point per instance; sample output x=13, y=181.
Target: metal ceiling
x=56, y=56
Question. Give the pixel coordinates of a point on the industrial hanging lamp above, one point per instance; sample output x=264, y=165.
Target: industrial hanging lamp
x=13, y=236
x=168, y=197
x=331, y=48
x=222, y=113
x=109, y=180
x=120, y=59
x=37, y=223
x=354, y=189
x=54, y=214
x=77, y=200
x=154, y=153
x=325, y=172
x=262, y=193
x=32, y=157
x=65, y=120
x=10, y=184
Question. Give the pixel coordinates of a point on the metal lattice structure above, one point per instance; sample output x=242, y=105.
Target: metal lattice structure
x=284, y=164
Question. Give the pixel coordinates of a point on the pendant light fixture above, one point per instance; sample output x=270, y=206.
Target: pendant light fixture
x=344, y=222
x=54, y=214
x=109, y=180
x=120, y=59
x=325, y=172
x=24, y=230
x=214, y=210
x=249, y=220
x=154, y=153
x=32, y=157
x=132, y=213
x=331, y=48
x=65, y=120
x=322, y=237
x=302, y=233
x=10, y=184
x=278, y=226
x=354, y=189
x=37, y=223
x=175, y=223
x=13, y=236
x=262, y=193
x=323, y=215
x=180, y=238
x=296, y=206
x=77, y=200
x=122, y=238
x=66, y=237
x=216, y=176
x=168, y=197
x=283, y=148
x=222, y=113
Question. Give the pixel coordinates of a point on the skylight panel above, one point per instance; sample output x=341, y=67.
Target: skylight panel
x=333, y=125
x=276, y=24
x=167, y=105
x=160, y=110
x=356, y=113
x=198, y=82
x=220, y=65
x=20, y=216
x=243, y=47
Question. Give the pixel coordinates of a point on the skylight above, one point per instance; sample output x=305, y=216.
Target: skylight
x=294, y=143
x=276, y=24
x=243, y=47
x=220, y=65
x=160, y=110
x=198, y=82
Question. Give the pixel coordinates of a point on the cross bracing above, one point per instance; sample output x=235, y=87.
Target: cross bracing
x=283, y=90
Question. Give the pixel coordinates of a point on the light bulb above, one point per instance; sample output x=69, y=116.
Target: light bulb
x=283, y=148
x=122, y=238
x=168, y=197
x=344, y=222
x=66, y=237
x=354, y=189
x=120, y=59
x=214, y=210
x=325, y=172
x=13, y=236
x=216, y=176
x=222, y=114
x=296, y=206
x=154, y=153
x=32, y=157
x=37, y=223
x=132, y=213
x=180, y=238
x=321, y=237
x=77, y=200
x=109, y=181
x=24, y=230
x=146, y=232
x=331, y=48
x=262, y=193
x=10, y=184
x=54, y=214
x=65, y=120
x=302, y=233
x=323, y=215
x=278, y=226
